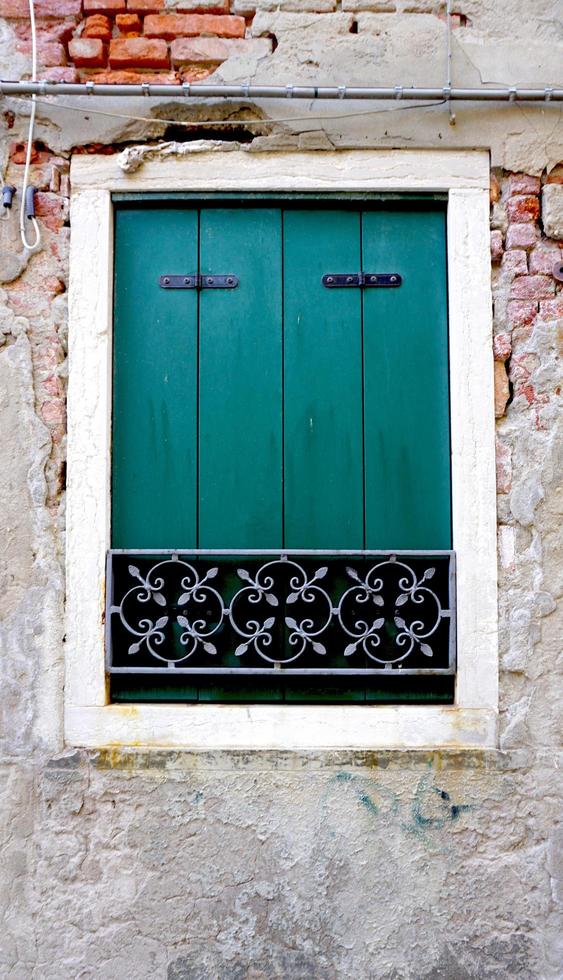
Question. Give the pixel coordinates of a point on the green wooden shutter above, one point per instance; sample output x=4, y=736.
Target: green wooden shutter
x=280, y=414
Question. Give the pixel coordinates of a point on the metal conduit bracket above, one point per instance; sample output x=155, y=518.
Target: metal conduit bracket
x=512, y=94
x=89, y=88
x=43, y=87
x=186, y=89
x=341, y=91
x=146, y=88
x=548, y=93
x=398, y=91
x=245, y=90
x=289, y=91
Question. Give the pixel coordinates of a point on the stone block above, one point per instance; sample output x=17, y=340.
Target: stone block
x=523, y=184
x=297, y=6
x=552, y=210
x=502, y=391
x=502, y=347
x=552, y=309
x=374, y=6
x=61, y=75
x=543, y=258
x=214, y=50
x=198, y=7
x=322, y=28
x=523, y=208
x=532, y=287
x=522, y=236
x=515, y=262
x=51, y=54
x=521, y=313
x=496, y=246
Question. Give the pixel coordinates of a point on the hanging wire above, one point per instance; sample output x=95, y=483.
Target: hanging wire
x=189, y=123
x=26, y=208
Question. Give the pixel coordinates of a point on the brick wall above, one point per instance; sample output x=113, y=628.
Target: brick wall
x=526, y=292
x=128, y=41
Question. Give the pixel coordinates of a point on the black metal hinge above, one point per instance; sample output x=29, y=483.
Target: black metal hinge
x=198, y=282
x=335, y=280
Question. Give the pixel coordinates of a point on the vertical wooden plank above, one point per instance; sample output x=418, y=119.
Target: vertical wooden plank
x=240, y=413
x=154, y=399
x=323, y=477
x=407, y=437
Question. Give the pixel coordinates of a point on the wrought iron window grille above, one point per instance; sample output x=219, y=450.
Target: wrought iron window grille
x=308, y=613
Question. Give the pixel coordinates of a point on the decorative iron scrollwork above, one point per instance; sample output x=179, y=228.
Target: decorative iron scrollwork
x=356, y=613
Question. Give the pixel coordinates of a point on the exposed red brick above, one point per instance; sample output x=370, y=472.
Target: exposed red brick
x=543, y=258
x=522, y=208
x=502, y=346
x=97, y=26
x=129, y=24
x=145, y=6
x=522, y=236
x=138, y=52
x=494, y=190
x=128, y=78
x=523, y=184
x=51, y=54
x=502, y=391
x=43, y=8
x=52, y=30
x=53, y=411
x=496, y=243
x=532, y=287
x=552, y=309
x=170, y=26
x=61, y=75
x=504, y=467
x=88, y=52
x=515, y=262
x=52, y=386
x=104, y=6
x=52, y=209
x=521, y=313
x=555, y=176
x=18, y=152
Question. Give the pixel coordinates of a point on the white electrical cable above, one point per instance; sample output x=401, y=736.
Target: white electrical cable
x=33, y=220
x=242, y=123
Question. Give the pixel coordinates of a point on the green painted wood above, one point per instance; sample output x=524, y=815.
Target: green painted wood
x=407, y=441
x=240, y=378
x=155, y=382
x=323, y=478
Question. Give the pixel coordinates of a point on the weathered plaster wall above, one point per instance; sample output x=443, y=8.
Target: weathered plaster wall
x=247, y=867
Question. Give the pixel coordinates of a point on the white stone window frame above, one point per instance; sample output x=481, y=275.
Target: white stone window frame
x=90, y=720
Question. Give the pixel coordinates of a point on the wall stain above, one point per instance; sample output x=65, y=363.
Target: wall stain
x=420, y=817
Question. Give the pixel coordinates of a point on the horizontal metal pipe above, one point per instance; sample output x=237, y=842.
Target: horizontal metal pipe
x=188, y=90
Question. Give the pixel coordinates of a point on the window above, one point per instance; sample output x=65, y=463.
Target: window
x=329, y=427
x=282, y=407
